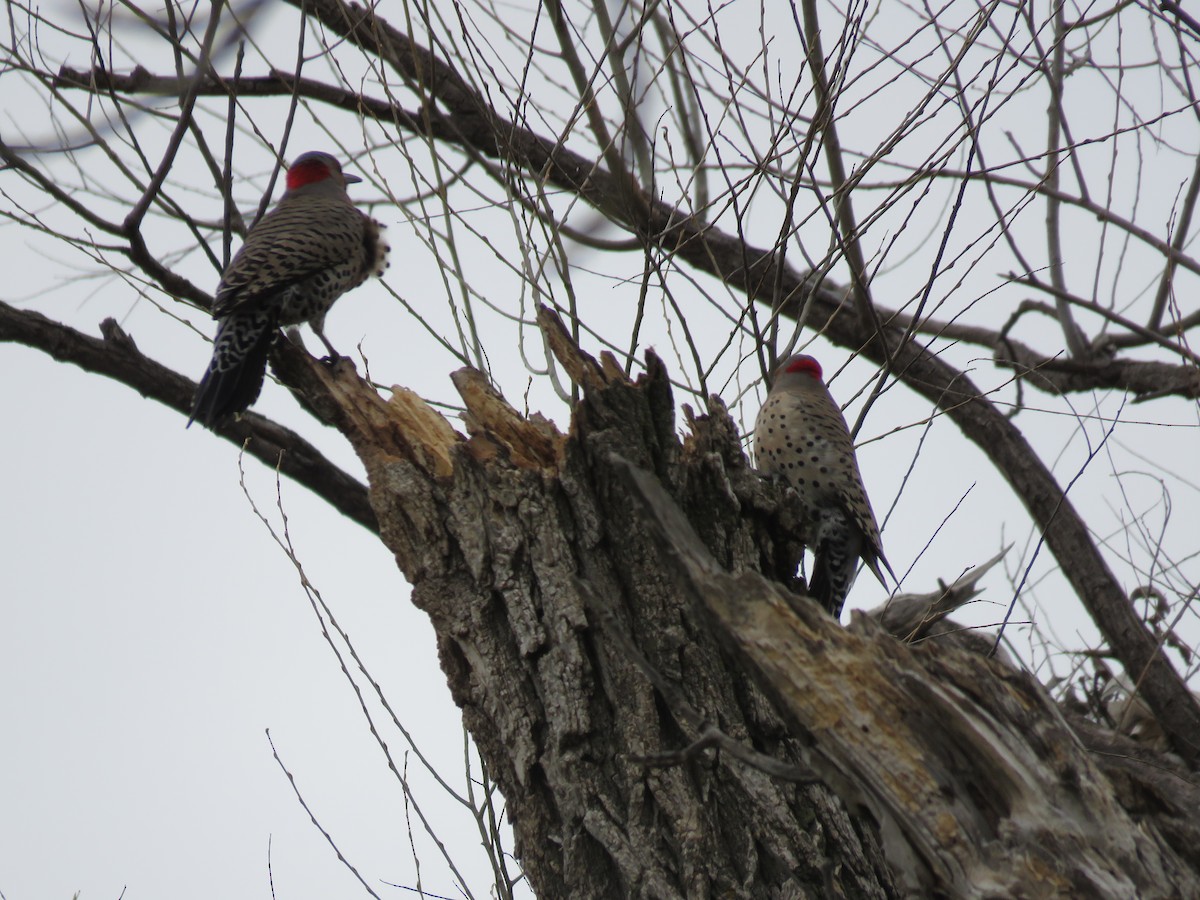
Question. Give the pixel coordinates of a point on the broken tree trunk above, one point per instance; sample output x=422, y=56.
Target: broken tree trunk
x=665, y=719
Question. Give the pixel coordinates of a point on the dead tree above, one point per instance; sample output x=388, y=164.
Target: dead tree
x=666, y=719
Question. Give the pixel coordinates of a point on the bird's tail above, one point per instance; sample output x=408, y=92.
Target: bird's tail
x=836, y=551
x=235, y=374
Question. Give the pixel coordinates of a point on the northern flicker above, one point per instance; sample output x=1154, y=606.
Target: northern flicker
x=800, y=436
x=305, y=253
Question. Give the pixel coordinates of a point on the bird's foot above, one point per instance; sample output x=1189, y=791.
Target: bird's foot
x=294, y=336
x=333, y=354
x=338, y=364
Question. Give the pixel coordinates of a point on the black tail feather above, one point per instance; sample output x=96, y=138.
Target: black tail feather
x=234, y=377
x=829, y=584
x=836, y=549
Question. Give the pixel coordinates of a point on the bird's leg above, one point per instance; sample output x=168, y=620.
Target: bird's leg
x=333, y=354
x=318, y=327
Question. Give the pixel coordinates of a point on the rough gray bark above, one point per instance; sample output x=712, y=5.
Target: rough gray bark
x=567, y=575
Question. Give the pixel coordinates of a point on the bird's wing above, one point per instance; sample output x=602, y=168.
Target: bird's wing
x=872, y=546
x=859, y=508
x=290, y=243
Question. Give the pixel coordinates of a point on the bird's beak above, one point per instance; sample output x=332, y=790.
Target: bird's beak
x=350, y=179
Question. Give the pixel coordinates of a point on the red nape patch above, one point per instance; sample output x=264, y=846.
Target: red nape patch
x=805, y=364
x=308, y=172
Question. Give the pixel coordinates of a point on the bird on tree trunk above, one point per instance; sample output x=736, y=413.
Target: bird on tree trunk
x=800, y=436
x=305, y=253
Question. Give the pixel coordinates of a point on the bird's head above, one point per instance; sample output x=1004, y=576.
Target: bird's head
x=318, y=168
x=798, y=372
x=801, y=364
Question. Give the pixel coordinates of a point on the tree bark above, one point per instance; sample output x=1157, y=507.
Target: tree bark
x=612, y=617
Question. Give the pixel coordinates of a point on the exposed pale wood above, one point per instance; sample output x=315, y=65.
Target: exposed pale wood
x=491, y=418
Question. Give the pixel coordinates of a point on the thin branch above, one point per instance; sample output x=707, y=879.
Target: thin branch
x=133, y=221
x=1182, y=229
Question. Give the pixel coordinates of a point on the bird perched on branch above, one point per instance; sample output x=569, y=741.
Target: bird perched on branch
x=305, y=253
x=801, y=437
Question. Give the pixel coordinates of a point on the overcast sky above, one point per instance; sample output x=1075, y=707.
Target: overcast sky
x=153, y=631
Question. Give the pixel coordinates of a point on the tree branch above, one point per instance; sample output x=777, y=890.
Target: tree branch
x=469, y=121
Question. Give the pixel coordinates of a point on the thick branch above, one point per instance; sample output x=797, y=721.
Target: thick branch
x=116, y=356
x=1145, y=379
x=278, y=84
